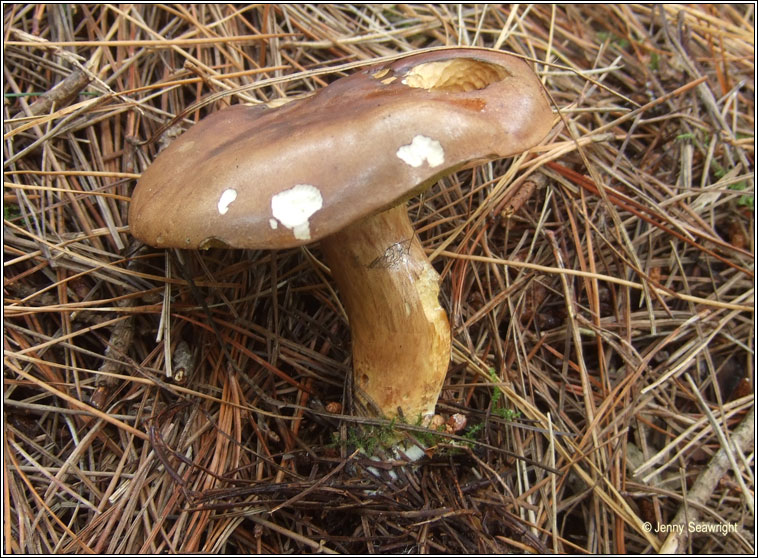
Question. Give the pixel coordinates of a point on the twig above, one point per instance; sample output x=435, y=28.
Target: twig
x=706, y=483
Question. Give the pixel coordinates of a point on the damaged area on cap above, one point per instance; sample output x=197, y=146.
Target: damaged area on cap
x=293, y=208
x=385, y=76
x=226, y=199
x=455, y=75
x=422, y=149
x=212, y=242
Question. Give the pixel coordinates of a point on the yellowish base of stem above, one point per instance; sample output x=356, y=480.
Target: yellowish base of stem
x=400, y=333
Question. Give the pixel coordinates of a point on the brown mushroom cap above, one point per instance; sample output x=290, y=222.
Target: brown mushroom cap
x=256, y=177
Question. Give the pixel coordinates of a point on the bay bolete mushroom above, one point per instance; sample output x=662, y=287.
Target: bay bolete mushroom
x=337, y=167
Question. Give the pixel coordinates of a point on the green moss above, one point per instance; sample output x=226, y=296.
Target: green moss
x=10, y=211
x=654, y=61
x=615, y=40
x=746, y=200
x=472, y=432
x=498, y=408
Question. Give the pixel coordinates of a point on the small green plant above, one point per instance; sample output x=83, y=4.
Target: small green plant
x=496, y=408
x=496, y=393
x=655, y=61
x=507, y=414
x=620, y=42
x=472, y=432
x=430, y=437
x=745, y=200
x=718, y=170
x=368, y=438
x=382, y=436
x=10, y=211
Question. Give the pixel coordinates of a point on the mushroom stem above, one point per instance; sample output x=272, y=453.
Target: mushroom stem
x=400, y=333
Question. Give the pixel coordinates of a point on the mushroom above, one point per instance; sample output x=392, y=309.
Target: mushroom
x=338, y=167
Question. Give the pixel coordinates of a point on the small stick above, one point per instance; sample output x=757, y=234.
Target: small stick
x=59, y=96
x=706, y=483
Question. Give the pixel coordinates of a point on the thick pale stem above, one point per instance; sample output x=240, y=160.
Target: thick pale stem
x=400, y=333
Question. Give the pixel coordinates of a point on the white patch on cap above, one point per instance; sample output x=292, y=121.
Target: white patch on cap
x=422, y=149
x=227, y=197
x=274, y=223
x=295, y=206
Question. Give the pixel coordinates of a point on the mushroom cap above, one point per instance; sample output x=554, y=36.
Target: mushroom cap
x=259, y=177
